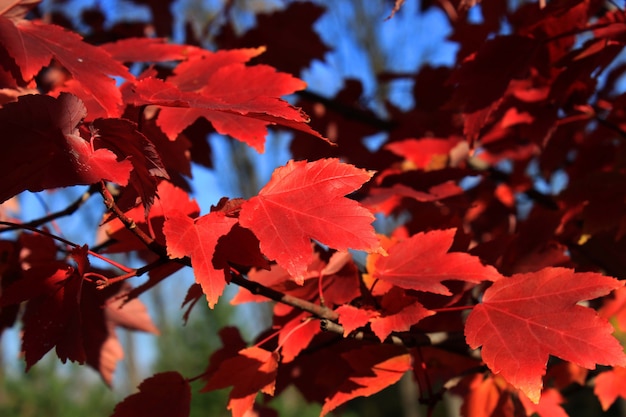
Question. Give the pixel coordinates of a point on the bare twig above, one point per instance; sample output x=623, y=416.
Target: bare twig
x=67, y=211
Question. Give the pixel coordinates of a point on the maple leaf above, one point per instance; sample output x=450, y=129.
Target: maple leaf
x=251, y=371
x=34, y=44
x=610, y=385
x=285, y=226
x=172, y=200
x=43, y=149
x=148, y=50
x=373, y=369
x=284, y=52
x=203, y=87
x=351, y=318
x=102, y=311
x=489, y=395
x=425, y=153
x=422, y=262
x=549, y=404
x=399, y=322
x=197, y=239
x=524, y=319
x=123, y=137
x=167, y=394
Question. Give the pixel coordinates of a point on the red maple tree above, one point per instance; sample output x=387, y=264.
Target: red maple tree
x=498, y=289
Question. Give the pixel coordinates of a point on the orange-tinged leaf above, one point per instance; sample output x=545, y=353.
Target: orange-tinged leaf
x=304, y=201
x=616, y=307
x=351, y=318
x=197, y=239
x=610, y=385
x=374, y=368
x=549, y=404
x=167, y=394
x=422, y=262
x=251, y=371
x=488, y=396
x=524, y=319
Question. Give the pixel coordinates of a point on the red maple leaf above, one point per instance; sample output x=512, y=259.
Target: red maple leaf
x=166, y=394
x=422, y=262
x=102, y=311
x=488, y=395
x=400, y=321
x=425, y=153
x=549, y=404
x=197, y=239
x=43, y=148
x=285, y=226
x=33, y=44
x=524, y=319
x=374, y=368
x=206, y=86
x=351, y=318
x=610, y=385
x=252, y=370
x=124, y=138
x=148, y=50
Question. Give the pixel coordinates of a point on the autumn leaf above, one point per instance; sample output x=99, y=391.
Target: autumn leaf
x=33, y=44
x=549, y=404
x=422, y=262
x=197, y=239
x=43, y=149
x=166, y=394
x=148, y=50
x=374, y=368
x=205, y=86
x=124, y=138
x=401, y=321
x=251, y=371
x=351, y=318
x=610, y=385
x=102, y=312
x=524, y=319
x=285, y=226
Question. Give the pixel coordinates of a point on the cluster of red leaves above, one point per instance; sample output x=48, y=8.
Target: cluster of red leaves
x=515, y=111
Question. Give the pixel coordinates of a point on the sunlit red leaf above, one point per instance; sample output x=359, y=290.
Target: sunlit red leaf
x=33, y=44
x=422, y=262
x=147, y=50
x=524, y=319
x=204, y=86
x=351, y=318
x=488, y=396
x=285, y=226
x=197, y=239
x=610, y=385
x=549, y=404
x=167, y=394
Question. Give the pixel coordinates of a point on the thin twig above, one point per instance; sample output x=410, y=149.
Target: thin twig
x=67, y=211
